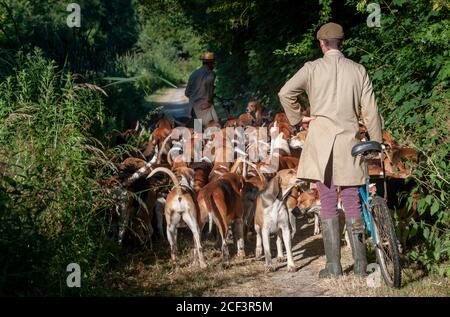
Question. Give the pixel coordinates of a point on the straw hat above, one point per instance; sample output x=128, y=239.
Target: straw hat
x=208, y=57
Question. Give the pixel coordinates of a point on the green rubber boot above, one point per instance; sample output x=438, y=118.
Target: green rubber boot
x=332, y=246
x=355, y=230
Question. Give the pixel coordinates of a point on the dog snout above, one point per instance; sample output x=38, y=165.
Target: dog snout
x=297, y=212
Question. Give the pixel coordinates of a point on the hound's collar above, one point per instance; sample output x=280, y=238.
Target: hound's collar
x=288, y=192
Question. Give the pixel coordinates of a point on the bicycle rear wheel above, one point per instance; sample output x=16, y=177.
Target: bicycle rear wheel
x=386, y=249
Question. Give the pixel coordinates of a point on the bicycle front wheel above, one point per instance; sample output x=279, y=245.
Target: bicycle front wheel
x=386, y=249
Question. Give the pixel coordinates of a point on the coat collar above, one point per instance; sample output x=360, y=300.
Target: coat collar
x=333, y=52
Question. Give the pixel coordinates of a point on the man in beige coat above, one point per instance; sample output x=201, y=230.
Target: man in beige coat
x=200, y=90
x=338, y=89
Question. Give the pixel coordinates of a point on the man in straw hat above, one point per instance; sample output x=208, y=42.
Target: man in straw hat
x=200, y=90
x=337, y=88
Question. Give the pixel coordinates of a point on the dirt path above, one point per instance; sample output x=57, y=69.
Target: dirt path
x=173, y=101
x=170, y=96
x=304, y=282
x=150, y=272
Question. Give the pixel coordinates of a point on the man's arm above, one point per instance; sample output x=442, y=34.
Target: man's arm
x=369, y=110
x=208, y=89
x=188, y=90
x=210, y=86
x=289, y=93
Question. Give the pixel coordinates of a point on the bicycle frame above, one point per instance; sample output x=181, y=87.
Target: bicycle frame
x=366, y=202
x=366, y=199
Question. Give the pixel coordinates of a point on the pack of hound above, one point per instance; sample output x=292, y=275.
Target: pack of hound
x=181, y=177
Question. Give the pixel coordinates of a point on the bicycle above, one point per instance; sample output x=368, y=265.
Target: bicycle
x=378, y=220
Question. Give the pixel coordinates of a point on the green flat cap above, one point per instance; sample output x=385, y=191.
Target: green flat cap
x=330, y=31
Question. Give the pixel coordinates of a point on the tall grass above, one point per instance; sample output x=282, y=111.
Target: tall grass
x=49, y=192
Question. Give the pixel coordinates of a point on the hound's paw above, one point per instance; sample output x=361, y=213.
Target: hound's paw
x=292, y=269
x=269, y=268
x=203, y=265
x=225, y=265
x=258, y=252
x=241, y=254
x=281, y=259
x=316, y=232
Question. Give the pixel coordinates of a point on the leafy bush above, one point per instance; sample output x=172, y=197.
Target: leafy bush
x=49, y=193
x=107, y=28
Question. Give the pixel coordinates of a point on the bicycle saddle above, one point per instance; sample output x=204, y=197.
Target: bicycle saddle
x=366, y=147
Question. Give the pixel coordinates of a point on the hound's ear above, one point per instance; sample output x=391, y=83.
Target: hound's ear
x=192, y=180
x=191, y=174
x=273, y=190
x=316, y=193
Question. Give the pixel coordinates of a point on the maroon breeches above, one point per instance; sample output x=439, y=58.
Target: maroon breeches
x=329, y=197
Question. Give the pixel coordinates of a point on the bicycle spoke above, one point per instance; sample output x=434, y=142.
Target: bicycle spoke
x=385, y=244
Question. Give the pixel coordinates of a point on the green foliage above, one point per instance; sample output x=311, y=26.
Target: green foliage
x=165, y=54
x=307, y=44
x=49, y=188
x=408, y=59
x=167, y=42
x=107, y=28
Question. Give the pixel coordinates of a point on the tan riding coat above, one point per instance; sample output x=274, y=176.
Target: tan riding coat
x=338, y=89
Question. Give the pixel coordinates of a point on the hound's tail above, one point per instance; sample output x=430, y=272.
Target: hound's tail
x=210, y=225
x=163, y=146
x=172, y=176
x=208, y=205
